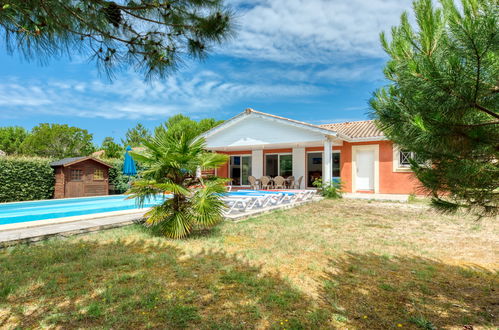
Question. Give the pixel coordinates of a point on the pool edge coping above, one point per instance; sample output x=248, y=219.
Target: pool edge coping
x=54, y=221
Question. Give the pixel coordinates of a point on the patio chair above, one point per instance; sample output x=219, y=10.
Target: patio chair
x=253, y=182
x=279, y=182
x=297, y=184
x=290, y=181
x=265, y=182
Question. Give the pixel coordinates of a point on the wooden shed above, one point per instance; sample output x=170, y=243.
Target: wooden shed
x=80, y=177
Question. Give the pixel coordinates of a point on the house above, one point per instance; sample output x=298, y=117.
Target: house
x=355, y=152
x=80, y=177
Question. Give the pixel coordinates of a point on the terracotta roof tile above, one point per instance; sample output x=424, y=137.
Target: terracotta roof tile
x=356, y=129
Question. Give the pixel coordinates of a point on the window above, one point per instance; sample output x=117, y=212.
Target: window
x=336, y=164
x=98, y=174
x=76, y=175
x=405, y=157
x=279, y=164
x=402, y=159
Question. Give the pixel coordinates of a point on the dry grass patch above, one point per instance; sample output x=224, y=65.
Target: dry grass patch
x=332, y=264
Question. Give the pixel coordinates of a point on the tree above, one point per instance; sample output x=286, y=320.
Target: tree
x=172, y=161
x=111, y=148
x=151, y=36
x=11, y=138
x=136, y=135
x=58, y=141
x=442, y=103
x=190, y=127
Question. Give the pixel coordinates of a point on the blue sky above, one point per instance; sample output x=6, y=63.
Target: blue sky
x=311, y=60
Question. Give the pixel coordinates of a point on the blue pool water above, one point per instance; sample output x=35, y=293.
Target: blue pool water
x=60, y=208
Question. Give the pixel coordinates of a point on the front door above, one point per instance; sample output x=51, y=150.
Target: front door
x=365, y=170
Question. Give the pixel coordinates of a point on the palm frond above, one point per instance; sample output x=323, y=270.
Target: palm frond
x=144, y=190
x=207, y=204
x=172, y=161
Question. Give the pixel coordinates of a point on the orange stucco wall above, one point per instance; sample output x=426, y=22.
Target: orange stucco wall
x=390, y=182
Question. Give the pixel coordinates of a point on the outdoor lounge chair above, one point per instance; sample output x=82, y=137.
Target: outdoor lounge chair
x=278, y=197
x=246, y=202
x=234, y=203
x=302, y=194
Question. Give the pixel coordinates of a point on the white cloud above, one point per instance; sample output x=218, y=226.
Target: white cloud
x=131, y=97
x=313, y=31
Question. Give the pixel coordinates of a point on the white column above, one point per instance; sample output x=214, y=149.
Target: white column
x=257, y=163
x=299, y=165
x=327, y=161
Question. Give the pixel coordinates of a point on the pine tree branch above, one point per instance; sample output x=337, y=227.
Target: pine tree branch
x=490, y=112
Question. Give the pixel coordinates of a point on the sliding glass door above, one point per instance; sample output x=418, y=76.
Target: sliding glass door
x=240, y=169
x=279, y=164
x=314, y=166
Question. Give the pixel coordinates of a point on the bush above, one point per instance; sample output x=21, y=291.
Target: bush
x=118, y=182
x=328, y=190
x=25, y=178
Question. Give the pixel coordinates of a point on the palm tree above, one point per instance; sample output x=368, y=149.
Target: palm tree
x=172, y=161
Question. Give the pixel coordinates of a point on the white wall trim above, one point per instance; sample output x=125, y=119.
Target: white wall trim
x=299, y=165
x=327, y=162
x=375, y=148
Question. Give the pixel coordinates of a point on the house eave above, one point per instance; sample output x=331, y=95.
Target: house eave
x=249, y=112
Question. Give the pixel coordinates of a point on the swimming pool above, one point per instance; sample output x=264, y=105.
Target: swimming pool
x=11, y=213
x=61, y=208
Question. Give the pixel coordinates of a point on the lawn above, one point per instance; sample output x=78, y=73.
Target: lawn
x=331, y=264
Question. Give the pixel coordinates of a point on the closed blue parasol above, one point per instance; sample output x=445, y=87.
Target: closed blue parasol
x=129, y=165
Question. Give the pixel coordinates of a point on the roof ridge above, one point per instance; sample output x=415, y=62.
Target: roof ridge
x=351, y=121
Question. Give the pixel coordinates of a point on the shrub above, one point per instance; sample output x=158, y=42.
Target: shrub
x=118, y=182
x=25, y=178
x=328, y=190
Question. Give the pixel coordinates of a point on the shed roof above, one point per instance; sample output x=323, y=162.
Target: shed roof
x=74, y=160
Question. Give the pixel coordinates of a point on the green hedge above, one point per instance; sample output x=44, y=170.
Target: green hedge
x=25, y=178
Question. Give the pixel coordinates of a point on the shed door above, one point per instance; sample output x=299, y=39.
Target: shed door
x=76, y=182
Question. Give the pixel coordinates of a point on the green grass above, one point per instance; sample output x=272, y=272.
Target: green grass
x=322, y=265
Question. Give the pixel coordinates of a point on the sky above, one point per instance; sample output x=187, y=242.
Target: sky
x=317, y=61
